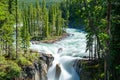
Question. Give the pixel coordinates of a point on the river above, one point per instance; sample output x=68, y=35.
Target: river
x=65, y=52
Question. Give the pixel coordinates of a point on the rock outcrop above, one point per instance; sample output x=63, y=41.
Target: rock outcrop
x=82, y=72
x=39, y=69
x=45, y=63
x=86, y=69
x=58, y=72
x=77, y=66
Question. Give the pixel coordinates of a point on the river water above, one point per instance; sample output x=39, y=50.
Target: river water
x=65, y=52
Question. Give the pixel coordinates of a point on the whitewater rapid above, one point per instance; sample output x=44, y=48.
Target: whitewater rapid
x=72, y=48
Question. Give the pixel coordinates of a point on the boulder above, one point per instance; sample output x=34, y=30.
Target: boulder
x=47, y=58
x=59, y=50
x=44, y=64
x=58, y=72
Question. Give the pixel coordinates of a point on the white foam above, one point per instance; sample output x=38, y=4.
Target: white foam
x=72, y=47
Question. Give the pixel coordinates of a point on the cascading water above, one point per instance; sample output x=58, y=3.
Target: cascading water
x=72, y=48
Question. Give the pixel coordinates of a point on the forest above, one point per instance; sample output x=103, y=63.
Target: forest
x=26, y=23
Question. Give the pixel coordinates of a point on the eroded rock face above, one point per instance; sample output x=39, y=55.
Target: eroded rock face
x=45, y=63
x=43, y=70
x=47, y=58
x=77, y=66
x=39, y=69
x=58, y=72
x=85, y=68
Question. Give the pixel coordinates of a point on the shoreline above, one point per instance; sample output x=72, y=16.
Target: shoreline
x=52, y=40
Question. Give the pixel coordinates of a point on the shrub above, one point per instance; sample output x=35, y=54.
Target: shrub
x=8, y=69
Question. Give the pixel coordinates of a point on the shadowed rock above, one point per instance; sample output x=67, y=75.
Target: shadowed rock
x=86, y=68
x=58, y=72
x=59, y=50
x=47, y=58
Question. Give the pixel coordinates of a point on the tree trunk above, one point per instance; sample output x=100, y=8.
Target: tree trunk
x=107, y=53
x=16, y=29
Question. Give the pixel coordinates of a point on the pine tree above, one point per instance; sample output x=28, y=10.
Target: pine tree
x=3, y=11
x=39, y=18
x=6, y=27
x=31, y=19
x=58, y=23
x=25, y=36
x=44, y=20
x=46, y=25
x=52, y=19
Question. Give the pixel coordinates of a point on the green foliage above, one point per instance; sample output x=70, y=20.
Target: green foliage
x=101, y=20
x=3, y=11
x=102, y=75
x=49, y=2
x=25, y=38
x=27, y=59
x=23, y=61
x=25, y=35
x=118, y=69
x=41, y=22
x=6, y=27
x=8, y=69
x=103, y=37
x=32, y=56
x=10, y=66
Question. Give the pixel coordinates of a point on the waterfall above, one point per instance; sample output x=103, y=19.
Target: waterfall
x=71, y=48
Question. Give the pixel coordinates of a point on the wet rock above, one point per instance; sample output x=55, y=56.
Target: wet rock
x=47, y=58
x=58, y=72
x=44, y=64
x=59, y=50
x=84, y=74
x=77, y=66
x=85, y=68
x=43, y=71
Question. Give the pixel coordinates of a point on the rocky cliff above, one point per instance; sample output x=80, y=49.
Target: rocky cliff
x=86, y=69
x=39, y=69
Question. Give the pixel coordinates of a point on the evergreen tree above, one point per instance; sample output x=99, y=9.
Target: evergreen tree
x=46, y=25
x=52, y=19
x=59, y=23
x=115, y=40
x=39, y=18
x=44, y=20
x=6, y=27
x=25, y=32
